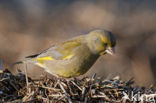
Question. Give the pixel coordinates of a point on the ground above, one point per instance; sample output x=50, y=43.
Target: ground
x=20, y=88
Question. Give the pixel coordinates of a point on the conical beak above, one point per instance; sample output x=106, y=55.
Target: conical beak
x=110, y=50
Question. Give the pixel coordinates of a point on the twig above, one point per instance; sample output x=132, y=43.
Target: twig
x=53, y=89
x=26, y=76
x=56, y=95
x=77, y=85
x=83, y=93
x=86, y=99
x=13, y=85
x=105, y=96
x=68, y=98
x=27, y=97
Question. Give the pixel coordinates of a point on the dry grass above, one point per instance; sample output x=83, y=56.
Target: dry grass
x=14, y=88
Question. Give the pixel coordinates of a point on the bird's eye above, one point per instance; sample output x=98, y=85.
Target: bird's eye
x=105, y=44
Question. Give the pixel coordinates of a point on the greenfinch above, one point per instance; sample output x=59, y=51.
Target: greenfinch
x=75, y=56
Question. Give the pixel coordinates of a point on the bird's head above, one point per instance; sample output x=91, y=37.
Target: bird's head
x=101, y=42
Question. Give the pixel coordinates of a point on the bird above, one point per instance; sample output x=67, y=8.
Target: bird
x=75, y=56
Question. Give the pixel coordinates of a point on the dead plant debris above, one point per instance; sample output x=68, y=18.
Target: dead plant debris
x=14, y=88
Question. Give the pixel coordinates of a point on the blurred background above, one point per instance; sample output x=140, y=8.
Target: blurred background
x=31, y=26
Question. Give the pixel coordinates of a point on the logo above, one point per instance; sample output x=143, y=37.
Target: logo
x=138, y=97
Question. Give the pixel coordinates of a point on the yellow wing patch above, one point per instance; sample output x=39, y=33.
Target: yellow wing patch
x=45, y=58
x=40, y=60
x=68, y=57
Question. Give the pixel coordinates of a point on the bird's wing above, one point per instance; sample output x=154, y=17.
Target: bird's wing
x=61, y=51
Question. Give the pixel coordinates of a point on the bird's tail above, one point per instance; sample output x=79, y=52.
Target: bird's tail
x=21, y=62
